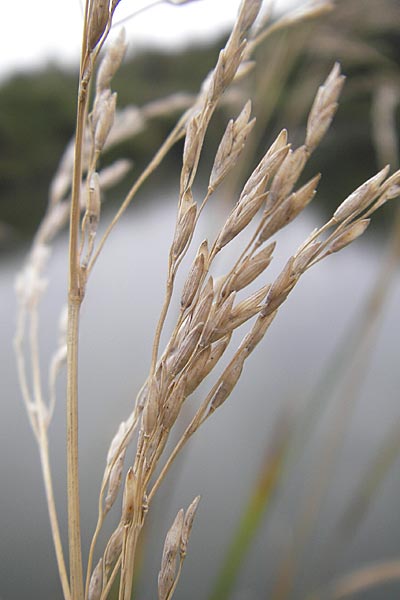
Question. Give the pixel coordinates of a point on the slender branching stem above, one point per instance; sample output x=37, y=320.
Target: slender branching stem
x=55, y=530
x=75, y=297
x=111, y=579
x=74, y=529
x=42, y=439
x=176, y=134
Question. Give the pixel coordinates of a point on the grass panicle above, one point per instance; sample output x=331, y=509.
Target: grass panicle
x=213, y=305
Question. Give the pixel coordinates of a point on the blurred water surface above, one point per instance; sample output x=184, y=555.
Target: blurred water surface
x=221, y=463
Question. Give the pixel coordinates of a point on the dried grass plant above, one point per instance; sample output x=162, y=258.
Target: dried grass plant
x=212, y=304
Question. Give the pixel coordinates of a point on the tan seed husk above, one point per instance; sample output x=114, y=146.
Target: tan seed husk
x=167, y=574
x=251, y=268
x=187, y=525
x=173, y=403
x=128, y=504
x=114, y=481
x=111, y=62
x=252, y=303
x=217, y=350
x=257, y=332
x=287, y=176
x=185, y=227
x=241, y=216
x=280, y=288
x=96, y=580
x=289, y=209
x=324, y=107
x=216, y=327
x=361, y=197
x=248, y=311
x=105, y=121
x=98, y=19
x=248, y=12
x=196, y=372
x=349, y=235
x=116, y=442
x=150, y=411
x=191, y=149
x=186, y=349
x=268, y=165
x=195, y=276
x=305, y=256
x=114, y=547
x=231, y=146
x=229, y=380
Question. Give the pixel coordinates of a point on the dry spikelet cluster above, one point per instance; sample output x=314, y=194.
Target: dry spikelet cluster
x=210, y=310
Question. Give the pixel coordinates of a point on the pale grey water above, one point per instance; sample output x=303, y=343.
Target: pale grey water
x=120, y=311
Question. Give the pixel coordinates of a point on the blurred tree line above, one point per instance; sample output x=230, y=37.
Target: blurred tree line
x=37, y=110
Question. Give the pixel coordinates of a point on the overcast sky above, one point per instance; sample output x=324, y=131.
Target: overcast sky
x=37, y=31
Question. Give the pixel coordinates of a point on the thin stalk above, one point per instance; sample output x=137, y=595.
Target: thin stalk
x=125, y=588
x=161, y=321
x=107, y=588
x=55, y=531
x=75, y=297
x=42, y=439
x=74, y=528
x=175, y=135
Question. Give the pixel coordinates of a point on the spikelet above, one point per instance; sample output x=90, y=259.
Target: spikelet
x=128, y=504
x=240, y=217
x=289, y=209
x=96, y=580
x=361, y=197
x=197, y=371
x=324, y=108
x=114, y=547
x=185, y=225
x=229, y=380
x=350, y=234
x=167, y=574
x=99, y=15
x=111, y=62
x=287, y=176
x=251, y=268
x=114, y=481
x=195, y=276
x=187, y=525
x=281, y=288
x=231, y=146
